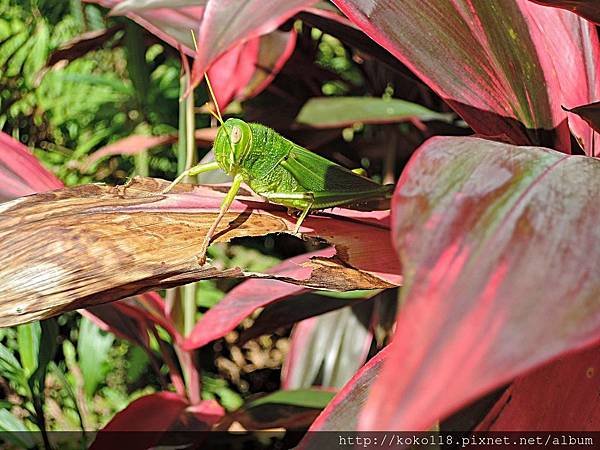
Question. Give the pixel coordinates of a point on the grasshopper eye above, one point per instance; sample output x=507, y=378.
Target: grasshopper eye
x=236, y=135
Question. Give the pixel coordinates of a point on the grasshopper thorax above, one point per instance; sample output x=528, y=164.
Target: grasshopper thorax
x=232, y=143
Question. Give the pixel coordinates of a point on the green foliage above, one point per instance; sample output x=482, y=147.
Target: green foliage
x=93, y=347
x=66, y=112
x=214, y=388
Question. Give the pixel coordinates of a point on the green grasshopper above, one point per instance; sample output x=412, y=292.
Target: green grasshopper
x=280, y=171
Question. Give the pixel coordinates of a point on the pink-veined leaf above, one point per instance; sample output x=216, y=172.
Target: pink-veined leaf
x=86, y=225
x=500, y=250
x=20, y=171
x=171, y=24
x=137, y=143
x=232, y=71
x=246, y=298
x=501, y=76
x=227, y=23
x=126, y=6
x=275, y=49
x=573, y=47
x=228, y=33
x=590, y=9
x=289, y=311
x=246, y=69
x=341, y=412
x=560, y=396
x=156, y=415
x=332, y=347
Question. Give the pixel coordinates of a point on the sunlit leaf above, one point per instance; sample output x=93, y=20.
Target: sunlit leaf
x=228, y=22
x=473, y=219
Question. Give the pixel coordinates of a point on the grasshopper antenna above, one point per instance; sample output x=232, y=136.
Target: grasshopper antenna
x=218, y=115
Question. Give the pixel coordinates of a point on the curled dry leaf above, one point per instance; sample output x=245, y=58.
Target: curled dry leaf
x=91, y=244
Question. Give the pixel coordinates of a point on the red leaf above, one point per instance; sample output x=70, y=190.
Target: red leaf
x=246, y=69
x=341, y=412
x=290, y=311
x=227, y=23
x=228, y=38
x=497, y=74
x=245, y=298
x=585, y=8
x=130, y=145
x=233, y=70
x=275, y=49
x=20, y=171
x=136, y=143
x=156, y=413
x=500, y=250
x=560, y=396
x=172, y=25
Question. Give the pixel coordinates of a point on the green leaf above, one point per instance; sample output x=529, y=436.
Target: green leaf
x=14, y=430
x=306, y=398
x=334, y=112
x=10, y=366
x=287, y=409
x=137, y=362
x=11, y=46
x=38, y=55
x=28, y=338
x=45, y=354
x=93, y=347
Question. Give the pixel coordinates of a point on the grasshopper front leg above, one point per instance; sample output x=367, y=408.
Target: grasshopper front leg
x=233, y=190
x=192, y=171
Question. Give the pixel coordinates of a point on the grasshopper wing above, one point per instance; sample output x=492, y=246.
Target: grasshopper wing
x=317, y=174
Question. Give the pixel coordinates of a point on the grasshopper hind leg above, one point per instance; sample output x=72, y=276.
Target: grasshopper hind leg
x=301, y=218
x=303, y=201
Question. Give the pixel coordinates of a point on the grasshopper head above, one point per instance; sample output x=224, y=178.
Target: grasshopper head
x=232, y=143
